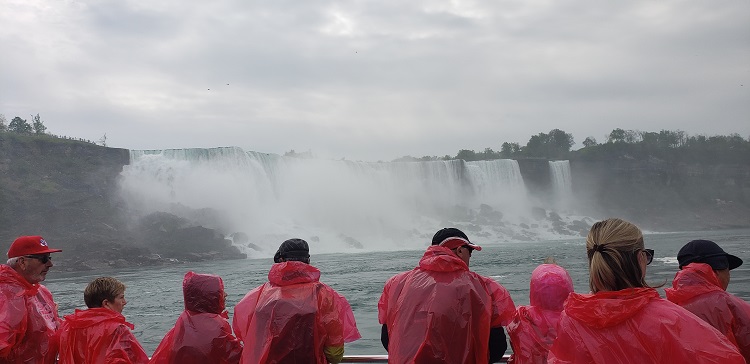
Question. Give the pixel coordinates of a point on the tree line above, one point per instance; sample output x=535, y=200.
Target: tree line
x=666, y=144
x=19, y=125
x=671, y=145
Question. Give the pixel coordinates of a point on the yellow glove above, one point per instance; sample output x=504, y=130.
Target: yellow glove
x=334, y=354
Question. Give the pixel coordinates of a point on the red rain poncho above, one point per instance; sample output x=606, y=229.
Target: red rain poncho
x=636, y=326
x=292, y=317
x=534, y=327
x=99, y=335
x=28, y=320
x=697, y=289
x=202, y=333
x=441, y=311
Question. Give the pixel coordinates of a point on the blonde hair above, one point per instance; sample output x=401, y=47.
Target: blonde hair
x=612, y=247
x=100, y=289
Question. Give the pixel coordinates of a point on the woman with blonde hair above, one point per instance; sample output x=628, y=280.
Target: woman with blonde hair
x=624, y=320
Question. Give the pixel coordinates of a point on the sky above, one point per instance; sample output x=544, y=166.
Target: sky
x=373, y=80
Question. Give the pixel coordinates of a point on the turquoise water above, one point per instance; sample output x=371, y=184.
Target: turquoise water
x=155, y=294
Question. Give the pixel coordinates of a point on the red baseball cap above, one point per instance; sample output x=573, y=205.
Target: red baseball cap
x=29, y=245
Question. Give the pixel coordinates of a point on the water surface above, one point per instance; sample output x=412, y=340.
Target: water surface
x=155, y=294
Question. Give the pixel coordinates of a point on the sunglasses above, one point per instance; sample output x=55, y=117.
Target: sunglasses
x=42, y=258
x=649, y=255
x=470, y=249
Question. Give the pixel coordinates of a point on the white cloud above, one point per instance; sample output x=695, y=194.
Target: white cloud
x=373, y=80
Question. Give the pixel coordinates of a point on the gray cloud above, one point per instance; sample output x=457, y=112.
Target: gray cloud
x=373, y=80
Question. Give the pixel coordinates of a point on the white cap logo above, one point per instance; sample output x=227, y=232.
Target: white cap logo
x=43, y=243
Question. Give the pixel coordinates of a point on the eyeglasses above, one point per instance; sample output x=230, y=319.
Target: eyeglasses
x=42, y=258
x=649, y=255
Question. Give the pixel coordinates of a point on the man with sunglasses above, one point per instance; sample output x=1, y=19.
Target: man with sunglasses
x=700, y=287
x=441, y=311
x=28, y=314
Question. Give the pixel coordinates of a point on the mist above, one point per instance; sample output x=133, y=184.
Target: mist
x=339, y=205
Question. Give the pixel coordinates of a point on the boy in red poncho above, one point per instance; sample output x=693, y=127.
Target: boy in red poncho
x=202, y=333
x=534, y=327
x=700, y=287
x=100, y=334
x=294, y=318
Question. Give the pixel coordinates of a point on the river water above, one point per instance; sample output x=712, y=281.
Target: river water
x=155, y=301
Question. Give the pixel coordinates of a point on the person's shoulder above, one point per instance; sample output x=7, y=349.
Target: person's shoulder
x=737, y=302
x=254, y=291
x=666, y=309
x=490, y=283
x=10, y=290
x=400, y=276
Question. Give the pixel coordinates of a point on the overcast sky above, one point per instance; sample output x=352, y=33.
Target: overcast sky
x=373, y=80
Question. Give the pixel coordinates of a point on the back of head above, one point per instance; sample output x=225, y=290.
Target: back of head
x=203, y=293
x=550, y=286
x=293, y=249
x=612, y=247
x=100, y=289
x=708, y=252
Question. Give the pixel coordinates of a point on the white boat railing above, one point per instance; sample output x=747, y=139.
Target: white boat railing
x=384, y=359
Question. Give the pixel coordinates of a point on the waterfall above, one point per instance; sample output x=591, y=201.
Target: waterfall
x=562, y=184
x=379, y=205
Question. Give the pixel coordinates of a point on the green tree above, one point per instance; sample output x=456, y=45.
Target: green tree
x=589, y=142
x=489, y=154
x=3, y=123
x=632, y=136
x=467, y=155
x=556, y=144
x=18, y=125
x=560, y=141
x=38, y=124
x=508, y=150
x=536, y=146
x=616, y=136
x=650, y=138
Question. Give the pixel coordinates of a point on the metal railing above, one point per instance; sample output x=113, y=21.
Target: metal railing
x=384, y=359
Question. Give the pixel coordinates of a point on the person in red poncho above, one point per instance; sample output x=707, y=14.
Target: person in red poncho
x=534, y=327
x=700, y=287
x=202, y=333
x=441, y=312
x=294, y=318
x=624, y=320
x=100, y=334
x=28, y=314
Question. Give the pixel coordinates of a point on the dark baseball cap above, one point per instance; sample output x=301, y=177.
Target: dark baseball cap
x=708, y=252
x=292, y=248
x=452, y=238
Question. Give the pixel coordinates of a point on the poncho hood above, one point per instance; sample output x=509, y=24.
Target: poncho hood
x=441, y=259
x=9, y=275
x=293, y=272
x=94, y=316
x=608, y=308
x=550, y=286
x=203, y=293
x=693, y=280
